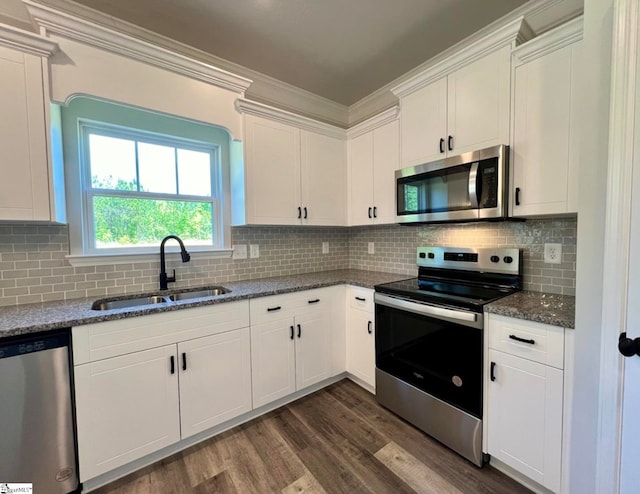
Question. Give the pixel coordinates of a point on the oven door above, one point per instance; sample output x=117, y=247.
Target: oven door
x=436, y=349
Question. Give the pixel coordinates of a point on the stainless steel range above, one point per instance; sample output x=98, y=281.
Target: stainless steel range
x=429, y=340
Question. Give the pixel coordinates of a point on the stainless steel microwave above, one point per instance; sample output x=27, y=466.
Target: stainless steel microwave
x=471, y=186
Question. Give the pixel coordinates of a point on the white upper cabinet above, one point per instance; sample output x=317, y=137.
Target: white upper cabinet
x=294, y=170
x=373, y=158
x=545, y=150
x=464, y=111
x=28, y=181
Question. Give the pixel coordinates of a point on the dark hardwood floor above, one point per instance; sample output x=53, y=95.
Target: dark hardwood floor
x=337, y=440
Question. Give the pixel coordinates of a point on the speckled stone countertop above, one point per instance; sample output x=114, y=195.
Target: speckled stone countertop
x=33, y=318
x=547, y=308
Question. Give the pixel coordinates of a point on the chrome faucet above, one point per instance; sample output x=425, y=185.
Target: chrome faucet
x=164, y=279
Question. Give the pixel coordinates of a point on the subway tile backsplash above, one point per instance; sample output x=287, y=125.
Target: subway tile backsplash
x=33, y=266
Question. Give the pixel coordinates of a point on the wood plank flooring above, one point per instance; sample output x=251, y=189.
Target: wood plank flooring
x=337, y=440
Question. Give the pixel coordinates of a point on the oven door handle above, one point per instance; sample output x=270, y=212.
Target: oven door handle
x=473, y=184
x=427, y=310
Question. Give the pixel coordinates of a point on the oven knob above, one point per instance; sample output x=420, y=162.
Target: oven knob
x=508, y=259
x=495, y=259
x=431, y=255
x=422, y=255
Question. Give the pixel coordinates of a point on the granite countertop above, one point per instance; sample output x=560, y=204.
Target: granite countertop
x=547, y=308
x=33, y=318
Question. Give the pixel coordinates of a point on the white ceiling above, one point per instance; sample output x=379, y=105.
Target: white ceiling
x=342, y=50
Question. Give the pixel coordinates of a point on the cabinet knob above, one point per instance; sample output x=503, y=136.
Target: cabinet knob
x=627, y=346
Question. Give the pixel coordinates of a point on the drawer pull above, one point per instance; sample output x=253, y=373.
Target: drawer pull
x=361, y=299
x=314, y=301
x=273, y=309
x=523, y=340
x=493, y=371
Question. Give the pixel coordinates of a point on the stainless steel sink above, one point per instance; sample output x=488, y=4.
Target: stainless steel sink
x=136, y=301
x=128, y=302
x=199, y=293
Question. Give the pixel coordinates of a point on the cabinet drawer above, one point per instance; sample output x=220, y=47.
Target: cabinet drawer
x=102, y=340
x=530, y=340
x=360, y=298
x=287, y=305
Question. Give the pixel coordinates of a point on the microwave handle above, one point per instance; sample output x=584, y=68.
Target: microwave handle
x=473, y=184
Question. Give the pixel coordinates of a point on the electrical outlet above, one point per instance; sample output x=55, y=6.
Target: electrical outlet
x=325, y=247
x=254, y=251
x=240, y=251
x=370, y=248
x=553, y=253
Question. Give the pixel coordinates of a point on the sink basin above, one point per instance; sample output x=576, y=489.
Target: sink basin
x=199, y=293
x=128, y=302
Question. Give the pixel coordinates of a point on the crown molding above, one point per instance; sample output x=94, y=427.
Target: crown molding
x=374, y=122
x=71, y=27
x=249, y=107
x=461, y=56
x=12, y=37
x=550, y=41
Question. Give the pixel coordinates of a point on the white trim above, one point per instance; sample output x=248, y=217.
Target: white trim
x=12, y=37
x=617, y=237
x=92, y=34
x=374, y=122
x=457, y=57
x=106, y=259
x=249, y=107
x=550, y=41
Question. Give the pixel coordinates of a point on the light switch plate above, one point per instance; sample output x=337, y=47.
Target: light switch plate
x=553, y=253
x=254, y=251
x=370, y=248
x=240, y=251
x=325, y=247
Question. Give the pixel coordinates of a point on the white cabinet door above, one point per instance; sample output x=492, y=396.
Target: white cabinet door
x=544, y=149
x=525, y=417
x=361, y=361
x=273, y=364
x=313, y=347
x=126, y=407
x=272, y=158
x=324, y=180
x=478, y=104
x=424, y=124
x=215, y=380
x=386, y=160
x=24, y=188
x=361, y=179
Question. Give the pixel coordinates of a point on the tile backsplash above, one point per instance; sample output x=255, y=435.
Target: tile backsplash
x=33, y=266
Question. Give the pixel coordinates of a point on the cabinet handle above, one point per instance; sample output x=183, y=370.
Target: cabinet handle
x=315, y=301
x=305, y=212
x=184, y=361
x=450, y=143
x=517, y=196
x=361, y=299
x=523, y=340
x=173, y=364
x=442, y=145
x=299, y=212
x=299, y=331
x=273, y=309
x=493, y=371
x=369, y=212
x=369, y=327
x=292, y=332
x=375, y=211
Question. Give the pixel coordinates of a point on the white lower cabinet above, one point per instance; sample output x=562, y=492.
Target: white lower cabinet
x=361, y=360
x=290, y=343
x=134, y=402
x=525, y=398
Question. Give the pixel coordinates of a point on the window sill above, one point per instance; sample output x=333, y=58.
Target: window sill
x=104, y=259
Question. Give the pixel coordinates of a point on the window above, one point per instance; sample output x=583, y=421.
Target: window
x=138, y=187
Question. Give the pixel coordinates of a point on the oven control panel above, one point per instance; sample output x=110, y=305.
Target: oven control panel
x=493, y=260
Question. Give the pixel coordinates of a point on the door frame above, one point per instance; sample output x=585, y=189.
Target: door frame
x=624, y=87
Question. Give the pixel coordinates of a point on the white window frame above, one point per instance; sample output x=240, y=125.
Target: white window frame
x=85, y=128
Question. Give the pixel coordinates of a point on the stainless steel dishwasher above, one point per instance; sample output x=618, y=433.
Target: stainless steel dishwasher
x=37, y=440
